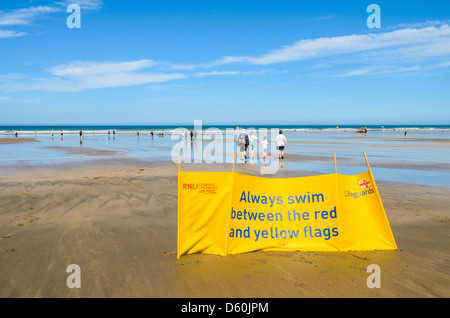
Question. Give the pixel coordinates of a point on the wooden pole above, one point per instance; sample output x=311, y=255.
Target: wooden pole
x=234, y=160
x=367, y=161
x=179, y=160
x=335, y=168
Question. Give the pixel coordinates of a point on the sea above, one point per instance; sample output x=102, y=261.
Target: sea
x=102, y=129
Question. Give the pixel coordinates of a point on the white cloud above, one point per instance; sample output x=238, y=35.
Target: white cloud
x=380, y=70
x=25, y=16
x=392, y=69
x=10, y=34
x=425, y=24
x=446, y=63
x=9, y=100
x=83, y=69
x=84, y=4
x=432, y=40
x=405, y=40
x=20, y=17
x=10, y=76
x=216, y=73
x=81, y=75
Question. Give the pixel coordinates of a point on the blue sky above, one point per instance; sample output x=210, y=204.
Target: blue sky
x=225, y=62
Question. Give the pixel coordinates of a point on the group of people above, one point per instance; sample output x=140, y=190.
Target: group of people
x=362, y=130
x=246, y=144
x=192, y=133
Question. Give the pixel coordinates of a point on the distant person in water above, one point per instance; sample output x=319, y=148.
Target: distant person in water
x=281, y=142
x=264, y=146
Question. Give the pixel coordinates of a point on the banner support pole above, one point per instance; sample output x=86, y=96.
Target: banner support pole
x=234, y=160
x=367, y=161
x=335, y=168
x=179, y=160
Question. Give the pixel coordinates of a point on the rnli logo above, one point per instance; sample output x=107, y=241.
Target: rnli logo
x=364, y=184
x=189, y=186
x=205, y=188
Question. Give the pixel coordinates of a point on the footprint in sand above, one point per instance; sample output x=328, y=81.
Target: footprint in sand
x=10, y=250
x=168, y=253
x=31, y=218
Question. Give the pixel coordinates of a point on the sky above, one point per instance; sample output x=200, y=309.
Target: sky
x=225, y=62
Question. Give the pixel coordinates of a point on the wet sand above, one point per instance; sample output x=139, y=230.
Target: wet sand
x=7, y=141
x=387, y=163
x=87, y=151
x=118, y=222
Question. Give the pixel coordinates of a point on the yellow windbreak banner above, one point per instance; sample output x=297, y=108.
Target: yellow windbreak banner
x=366, y=226
x=228, y=213
x=204, y=202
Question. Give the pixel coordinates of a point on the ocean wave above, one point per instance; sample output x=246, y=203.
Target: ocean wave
x=41, y=131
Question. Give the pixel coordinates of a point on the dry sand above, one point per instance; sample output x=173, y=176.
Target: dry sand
x=118, y=223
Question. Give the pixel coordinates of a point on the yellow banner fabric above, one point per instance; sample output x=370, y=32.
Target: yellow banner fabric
x=228, y=213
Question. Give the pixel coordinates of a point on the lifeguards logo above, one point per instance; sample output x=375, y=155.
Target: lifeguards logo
x=364, y=185
x=205, y=188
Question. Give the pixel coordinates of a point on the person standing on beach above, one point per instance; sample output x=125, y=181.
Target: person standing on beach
x=246, y=144
x=281, y=142
x=252, y=141
x=241, y=141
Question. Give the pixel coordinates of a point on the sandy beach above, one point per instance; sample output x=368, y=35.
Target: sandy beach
x=118, y=222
